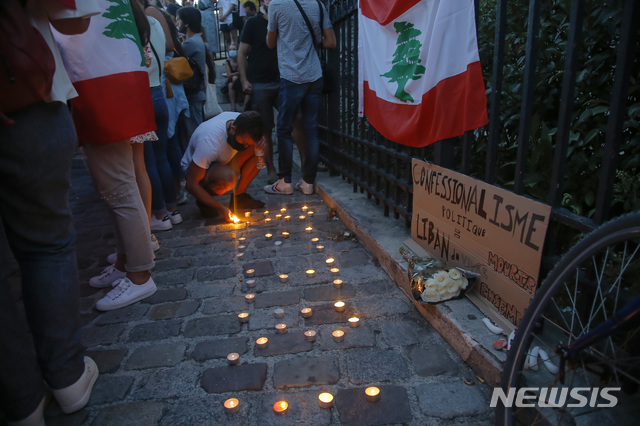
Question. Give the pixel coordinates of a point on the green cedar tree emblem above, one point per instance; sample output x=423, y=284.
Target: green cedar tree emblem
x=406, y=59
x=122, y=24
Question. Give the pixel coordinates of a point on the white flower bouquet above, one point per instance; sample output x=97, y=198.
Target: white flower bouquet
x=434, y=282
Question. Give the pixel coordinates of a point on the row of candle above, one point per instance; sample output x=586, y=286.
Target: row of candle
x=325, y=401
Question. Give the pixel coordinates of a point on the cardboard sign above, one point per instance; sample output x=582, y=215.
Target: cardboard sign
x=496, y=233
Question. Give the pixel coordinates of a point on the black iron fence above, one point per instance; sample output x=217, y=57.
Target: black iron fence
x=562, y=89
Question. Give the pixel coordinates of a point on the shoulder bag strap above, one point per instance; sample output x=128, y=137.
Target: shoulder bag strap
x=157, y=59
x=306, y=20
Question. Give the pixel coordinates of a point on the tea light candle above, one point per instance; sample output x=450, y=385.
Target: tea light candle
x=262, y=343
x=334, y=271
x=278, y=313
x=339, y=306
x=267, y=220
x=310, y=213
x=243, y=317
x=280, y=407
x=372, y=393
x=308, y=229
x=337, y=283
x=247, y=224
x=310, y=336
x=315, y=239
x=311, y=273
x=242, y=247
x=302, y=217
x=268, y=236
x=305, y=208
x=278, y=216
x=247, y=214
x=320, y=248
x=250, y=297
x=285, y=234
x=330, y=261
x=354, y=322
x=287, y=218
x=283, y=278
x=240, y=256
x=281, y=328
x=251, y=283
x=325, y=400
x=242, y=239
x=233, y=358
x=231, y=406
x=338, y=336
x=250, y=272
x=282, y=210
x=306, y=312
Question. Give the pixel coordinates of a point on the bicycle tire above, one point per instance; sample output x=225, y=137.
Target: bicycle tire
x=547, y=318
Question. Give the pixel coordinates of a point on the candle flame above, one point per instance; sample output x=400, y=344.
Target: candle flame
x=233, y=218
x=280, y=406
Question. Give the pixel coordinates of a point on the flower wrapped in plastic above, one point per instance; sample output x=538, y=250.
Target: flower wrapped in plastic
x=434, y=282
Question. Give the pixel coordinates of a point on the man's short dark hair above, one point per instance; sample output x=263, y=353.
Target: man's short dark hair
x=190, y=16
x=251, y=5
x=250, y=122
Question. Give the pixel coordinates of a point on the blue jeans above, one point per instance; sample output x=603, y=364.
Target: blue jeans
x=294, y=97
x=35, y=168
x=163, y=187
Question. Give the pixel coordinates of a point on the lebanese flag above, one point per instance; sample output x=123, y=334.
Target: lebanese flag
x=107, y=68
x=420, y=78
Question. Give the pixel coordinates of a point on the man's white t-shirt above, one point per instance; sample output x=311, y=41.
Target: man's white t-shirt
x=208, y=144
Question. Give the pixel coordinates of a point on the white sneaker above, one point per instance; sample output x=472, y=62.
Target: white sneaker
x=74, y=397
x=107, y=277
x=181, y=197
x=155, y=245
x=175, y=217
x=304, y=187
x=280, y=187
x=111, y=259
x=163, y=224
x=125, y=294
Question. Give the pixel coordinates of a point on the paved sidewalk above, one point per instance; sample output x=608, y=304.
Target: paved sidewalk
x=163, y=360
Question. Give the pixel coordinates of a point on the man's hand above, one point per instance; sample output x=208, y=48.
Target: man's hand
x=246, y=87
x=226, y=213
x=262, y=143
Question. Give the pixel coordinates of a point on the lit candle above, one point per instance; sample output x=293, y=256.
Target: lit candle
x=281, y=328
x=282, y=210
x=231, y=406
x=308, y=229
x=338, y=336
x=305, y=208
x=242, y=247
x=354, y=322
x=242, y=239
x=335, y=271
x=240, y=256
x=247, y=224
x=283, y=278
x=278, y=313
x=285, y=234
x=250, y=272
x=337, y=283
x=315, y=239
x=251, y=283
x=280, y=407
x=278, y=216
x=243, y=316
x=330, y=261
x=268, y=236
x=311, y=273
x=302, y=217
x=262, y=343
x=310, y=213
x=310, y=336
x=266, y=213
x=325, y=400
x=320, y=248
x=372, y=393
x=233, y=358
x=234, y=218
x=247, y=214
x=249, y=297
x=339, y=306
x=287, y=218
x=306, y=312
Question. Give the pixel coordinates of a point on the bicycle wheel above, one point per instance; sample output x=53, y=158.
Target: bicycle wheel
x=595, y=279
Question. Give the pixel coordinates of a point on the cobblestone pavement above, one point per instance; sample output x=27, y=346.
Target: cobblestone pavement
x=163, y=361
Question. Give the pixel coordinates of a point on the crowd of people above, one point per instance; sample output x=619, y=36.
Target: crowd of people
x=147, y=142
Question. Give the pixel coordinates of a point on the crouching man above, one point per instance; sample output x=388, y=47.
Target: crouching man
x=220, y=150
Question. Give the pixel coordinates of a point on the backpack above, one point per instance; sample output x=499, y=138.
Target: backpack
x=26, y=62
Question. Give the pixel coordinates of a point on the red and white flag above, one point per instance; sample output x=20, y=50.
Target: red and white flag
x=419, y=69
x=107, y=68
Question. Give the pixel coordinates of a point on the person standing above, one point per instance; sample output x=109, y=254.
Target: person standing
x=300, y=84
x=229, y=32
x=37, y=145
x=210, y=25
